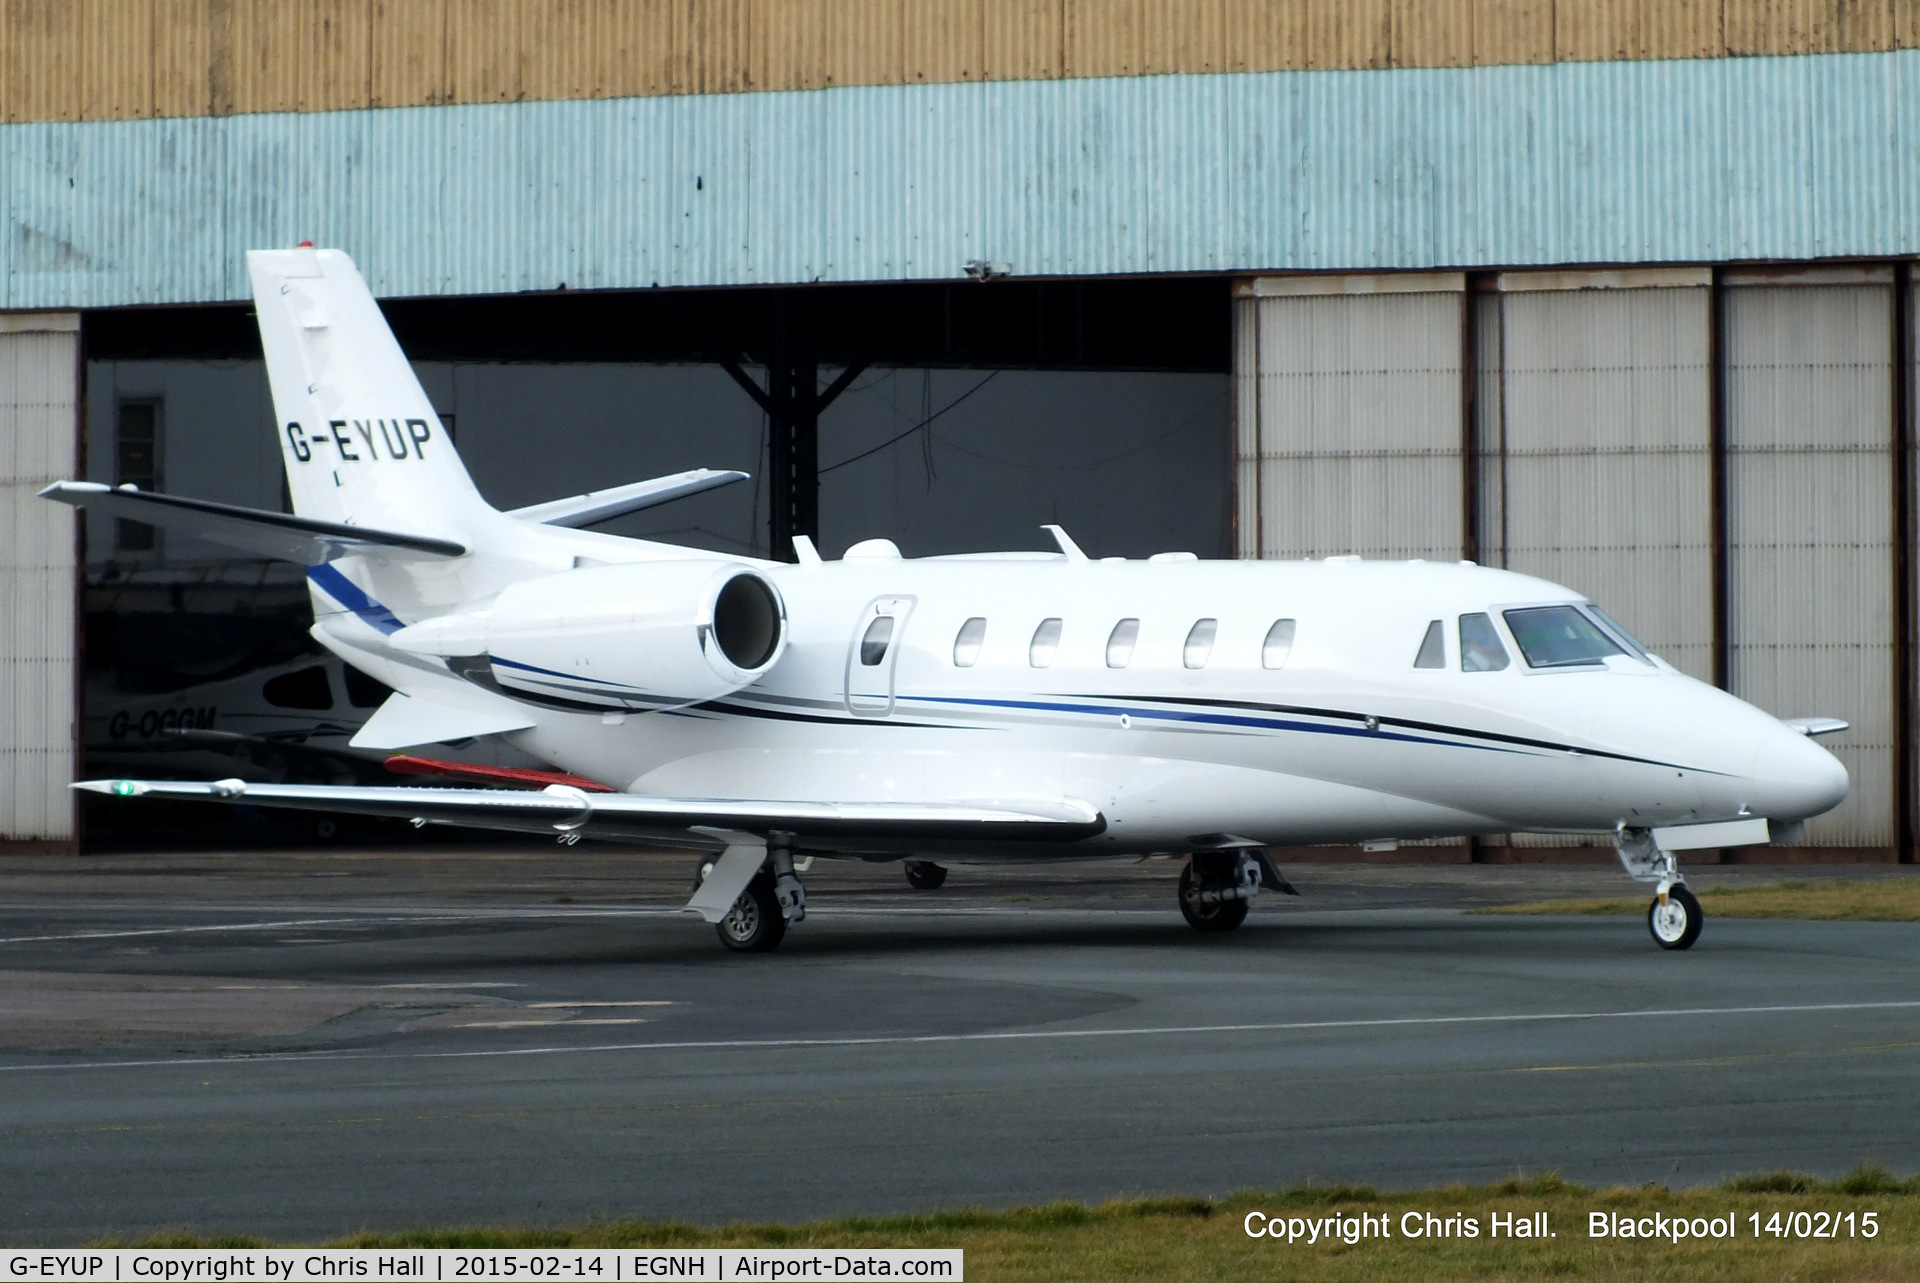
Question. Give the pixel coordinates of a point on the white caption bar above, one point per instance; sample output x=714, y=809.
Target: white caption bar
x=440, y=1265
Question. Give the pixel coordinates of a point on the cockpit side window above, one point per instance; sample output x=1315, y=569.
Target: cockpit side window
x=1481, y=650
x=1433, y=648
x=1559, y=637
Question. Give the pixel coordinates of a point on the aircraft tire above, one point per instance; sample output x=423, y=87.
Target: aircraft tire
x=1678, y=926
x=925, y=875
x=755, y=923
x=1224, y=916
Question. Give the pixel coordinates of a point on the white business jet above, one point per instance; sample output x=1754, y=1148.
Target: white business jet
x=999, y=706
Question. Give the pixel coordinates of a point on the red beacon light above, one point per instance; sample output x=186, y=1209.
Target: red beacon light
x=304, y=245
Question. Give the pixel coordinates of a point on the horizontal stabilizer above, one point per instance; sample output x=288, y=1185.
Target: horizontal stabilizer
x=558, y=809
x=404, y=721
x=604, y=505
x=305, y=541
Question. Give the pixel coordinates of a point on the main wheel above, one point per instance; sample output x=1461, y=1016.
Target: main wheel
x=1222, y=915
x=925, y=875
x=754, y=924
x=1675, y=924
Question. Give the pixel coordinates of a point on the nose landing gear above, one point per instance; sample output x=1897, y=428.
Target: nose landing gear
x=1675, y=916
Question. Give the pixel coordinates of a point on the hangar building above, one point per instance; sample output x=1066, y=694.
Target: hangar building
x=1612, y=291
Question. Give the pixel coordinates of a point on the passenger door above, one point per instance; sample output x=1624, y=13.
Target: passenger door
x=873, y=653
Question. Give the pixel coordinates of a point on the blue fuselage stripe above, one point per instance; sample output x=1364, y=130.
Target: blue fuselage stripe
x=348, y=594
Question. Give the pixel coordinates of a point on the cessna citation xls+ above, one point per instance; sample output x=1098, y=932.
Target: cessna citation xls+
x=1005, y=706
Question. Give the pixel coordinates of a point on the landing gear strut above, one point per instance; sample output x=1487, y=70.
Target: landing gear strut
x=1215, y=887
x=765, y=889
x=1674, y=918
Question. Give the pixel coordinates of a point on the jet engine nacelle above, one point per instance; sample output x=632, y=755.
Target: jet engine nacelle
x=630, y=637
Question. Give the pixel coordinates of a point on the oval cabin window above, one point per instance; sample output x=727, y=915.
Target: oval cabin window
x=1199, y=647
x=1046, y=643
x=1120, y=643
x=966, y=646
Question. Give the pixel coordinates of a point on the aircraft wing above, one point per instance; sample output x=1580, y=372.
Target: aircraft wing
x=301, y=540
x=604, y=505
x=563, y=810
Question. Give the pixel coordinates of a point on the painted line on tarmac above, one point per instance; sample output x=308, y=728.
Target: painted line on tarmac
x=1033, y=1035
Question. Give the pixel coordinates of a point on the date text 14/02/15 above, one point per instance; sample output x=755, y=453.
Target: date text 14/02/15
x=1800, y=1225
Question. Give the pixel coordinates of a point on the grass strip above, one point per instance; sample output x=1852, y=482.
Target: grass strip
x=1891, y=900
x=1206, y=1239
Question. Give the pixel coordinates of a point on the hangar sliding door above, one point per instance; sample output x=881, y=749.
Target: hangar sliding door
x=1347, y=401
x=39, y=417
x=1598, y=474
x=1810, y=519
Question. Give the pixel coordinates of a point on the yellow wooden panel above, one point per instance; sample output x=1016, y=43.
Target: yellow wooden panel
x=1905, y=23
x=864, y=42
x=1766, y=27
x=180, y=62
x=1105, y=38
x=1348, y=33
x=1510, y=32
x=780, y=57
x=714, y=43
x=409, y=53
x=257, y=53
x=336, y=66
x=1432, y=33
x=1594, y=30
x=1682, y=29
x=561, y=49
x=620, y=66
x=1858, y=26
x=1183, y=36
x=1266, y=37
x=44, y=42
x=941, y=40
x=483, y=51
x=116, y=62
x=1025, y=39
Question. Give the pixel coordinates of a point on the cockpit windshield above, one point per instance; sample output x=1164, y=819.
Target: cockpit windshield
x=1559, y=636
x=1620, y=634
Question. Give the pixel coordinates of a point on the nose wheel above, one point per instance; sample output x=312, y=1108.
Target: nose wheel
x=1675, y=918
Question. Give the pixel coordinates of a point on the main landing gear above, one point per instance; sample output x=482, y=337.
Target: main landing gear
x=752, y=892
x=1216, y=886
x=925, y=875
x=1674, y=918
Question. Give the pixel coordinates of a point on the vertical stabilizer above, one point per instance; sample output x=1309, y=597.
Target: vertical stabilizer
x=361, y=442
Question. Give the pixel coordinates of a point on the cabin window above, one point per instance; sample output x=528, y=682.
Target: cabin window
x=303, y=688
x=1120, y=642
x=873, y=645
x=1559, y=637
x=1480, y=647
x=1046, y=643
x=966, y=646
x=1433, y=648
x=1199, y=647
x=1278, y=645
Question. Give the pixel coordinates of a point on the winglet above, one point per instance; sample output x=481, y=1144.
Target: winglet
x=1067, y=545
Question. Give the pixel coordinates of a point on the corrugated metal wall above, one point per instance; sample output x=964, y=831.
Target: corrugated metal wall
x=1625, y=162
x=123, y=59
x=1593, y=459
x=1606, y=483
x=1352, y=414
x=1810, y=525
x=39, y=647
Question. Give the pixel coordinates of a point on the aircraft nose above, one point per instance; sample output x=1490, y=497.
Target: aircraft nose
x=1795, y=777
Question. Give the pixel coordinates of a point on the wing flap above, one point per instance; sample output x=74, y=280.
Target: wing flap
x=559, y=809
x=301, y=540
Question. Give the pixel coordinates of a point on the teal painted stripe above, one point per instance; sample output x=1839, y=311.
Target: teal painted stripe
x=1625, y=162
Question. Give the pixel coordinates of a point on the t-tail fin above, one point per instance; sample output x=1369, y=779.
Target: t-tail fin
x=361, y=442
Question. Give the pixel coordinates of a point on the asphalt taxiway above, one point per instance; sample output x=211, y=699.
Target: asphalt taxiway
x=298, y=1045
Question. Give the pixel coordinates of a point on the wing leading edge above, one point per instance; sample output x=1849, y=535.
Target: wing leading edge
x=564, y=810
